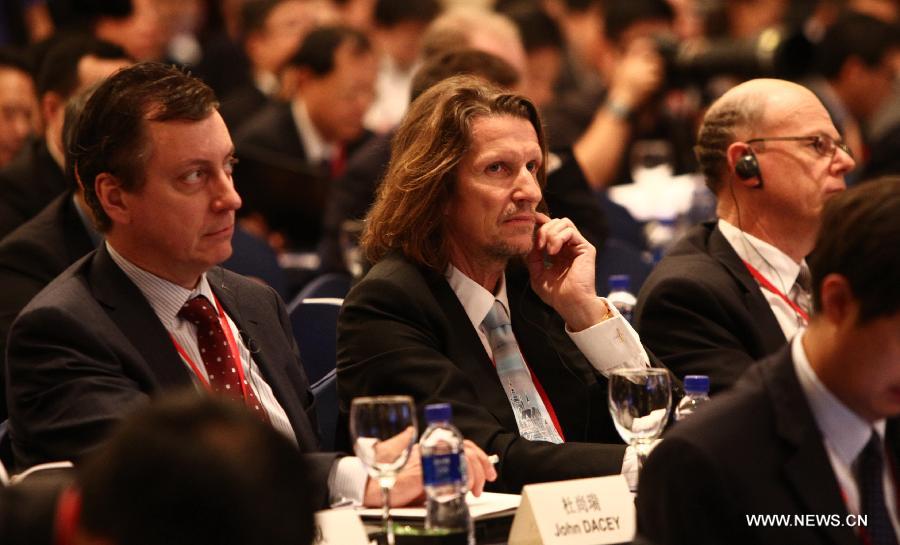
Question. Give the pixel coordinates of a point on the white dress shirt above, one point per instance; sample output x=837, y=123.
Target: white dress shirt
x=348, y=476
x=608, y=345
x=776, y=266
x=844, y=432
x=315, y=146
x=611, y=344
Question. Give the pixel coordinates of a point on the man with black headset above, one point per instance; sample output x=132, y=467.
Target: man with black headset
x=736, y=290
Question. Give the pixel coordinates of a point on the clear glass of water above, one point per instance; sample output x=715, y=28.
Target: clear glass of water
x=639, y=402
x=383, y=429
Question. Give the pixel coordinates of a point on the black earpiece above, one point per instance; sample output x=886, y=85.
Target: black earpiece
x=748, y=167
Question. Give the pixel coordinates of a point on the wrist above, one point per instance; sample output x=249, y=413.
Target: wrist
x=621, y=110
x=581, y=316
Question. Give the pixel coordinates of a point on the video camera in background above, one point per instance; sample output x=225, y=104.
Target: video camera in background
x=774, y=52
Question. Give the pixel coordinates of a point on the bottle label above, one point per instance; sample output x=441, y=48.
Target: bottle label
x=441, y=469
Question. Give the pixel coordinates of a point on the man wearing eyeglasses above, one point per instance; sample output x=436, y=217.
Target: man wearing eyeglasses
x=735, y=290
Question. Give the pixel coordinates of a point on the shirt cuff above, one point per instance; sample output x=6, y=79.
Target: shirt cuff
x=347, y=481
x=611, y=344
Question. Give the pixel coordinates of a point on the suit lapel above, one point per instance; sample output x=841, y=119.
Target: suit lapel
x=807, y=468
x=771, y=335
x=255, y=333
x=473, y=360
x=128, y=308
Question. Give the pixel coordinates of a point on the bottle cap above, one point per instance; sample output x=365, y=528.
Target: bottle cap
x=619, y=282
x=438, y=412
x=696, y=384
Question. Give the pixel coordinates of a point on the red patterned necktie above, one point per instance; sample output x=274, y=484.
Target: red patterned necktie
x=221, y=367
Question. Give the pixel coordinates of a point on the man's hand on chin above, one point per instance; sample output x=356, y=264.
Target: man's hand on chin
x=561, y=266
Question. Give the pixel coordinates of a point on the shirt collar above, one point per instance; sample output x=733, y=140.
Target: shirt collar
x=165, y=297
x=476, y=300
x=314, y=144
x=845, y=431
x=772, y=263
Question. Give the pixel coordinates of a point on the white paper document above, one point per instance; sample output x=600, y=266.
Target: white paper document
x=488, y=505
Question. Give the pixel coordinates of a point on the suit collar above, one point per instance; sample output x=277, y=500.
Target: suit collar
x=128, y=308
x=720, y=249
x=807, y=468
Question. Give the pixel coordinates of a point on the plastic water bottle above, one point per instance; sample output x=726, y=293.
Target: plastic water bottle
x=661, y=234
x=620, y=295
x=696, y=393
x=444, y=475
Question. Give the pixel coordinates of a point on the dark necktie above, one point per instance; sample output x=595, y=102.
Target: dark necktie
x=802, y=292
x=870, y=475
x=215, y=352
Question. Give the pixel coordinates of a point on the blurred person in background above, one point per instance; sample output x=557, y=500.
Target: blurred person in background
x=397, y=36
x=18, y=105
x=544, y=50
x=191, y=470
x=857, y=62
x=36, y=177
x=291, y=151
x=271, y=32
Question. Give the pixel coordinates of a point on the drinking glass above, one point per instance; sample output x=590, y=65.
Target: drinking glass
x=383, y=429
x=639, y=402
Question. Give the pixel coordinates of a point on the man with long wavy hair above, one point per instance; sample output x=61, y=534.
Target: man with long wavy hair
x=479, y=299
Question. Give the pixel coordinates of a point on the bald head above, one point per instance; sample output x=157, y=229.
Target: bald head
x=772, y=155
x=745, y=111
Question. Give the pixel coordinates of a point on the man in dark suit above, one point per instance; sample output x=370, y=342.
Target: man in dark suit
x=290, y=151
x=150, y=311
x=36, y=177
x=456, y=212
x=732, y=292
x=812, y=430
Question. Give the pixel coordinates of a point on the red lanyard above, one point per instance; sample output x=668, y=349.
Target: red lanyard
x=764, y=282
x=68, y=513
x=232, y=346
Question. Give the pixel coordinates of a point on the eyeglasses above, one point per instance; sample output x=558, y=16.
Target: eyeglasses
x=824, y=145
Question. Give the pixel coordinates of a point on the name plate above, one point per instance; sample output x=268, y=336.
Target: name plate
x=339, y=527
x=597, y=511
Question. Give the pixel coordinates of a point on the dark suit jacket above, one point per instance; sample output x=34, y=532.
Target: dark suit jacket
x=89, y=347
x=754, y=450
x=402, y=330
x=276, y=178
x=701, y=312
x=32, y=256
x=27, y=185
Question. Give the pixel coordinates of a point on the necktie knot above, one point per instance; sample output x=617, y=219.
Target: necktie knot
x=199, y=311
x=496, y=317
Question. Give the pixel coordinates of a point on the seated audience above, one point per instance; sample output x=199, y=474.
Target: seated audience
x=18, y=105
x=811, y=432
x=457, y=213
x=290, y=151
x=149, y=311
x=397, y=34
x=270, y=34
x=36, y=176
x=734, y=291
